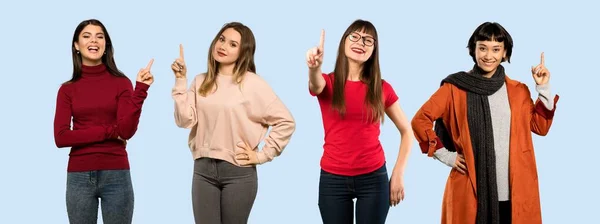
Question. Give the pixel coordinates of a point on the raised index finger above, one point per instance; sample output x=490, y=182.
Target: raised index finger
x=181, y=51
x=322, y=41
x=542, y=60
x=150, y=64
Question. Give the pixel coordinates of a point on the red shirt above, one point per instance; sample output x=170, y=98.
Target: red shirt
x=352, y=144
x=102, y=107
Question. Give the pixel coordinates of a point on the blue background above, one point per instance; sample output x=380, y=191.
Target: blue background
x=420, y=43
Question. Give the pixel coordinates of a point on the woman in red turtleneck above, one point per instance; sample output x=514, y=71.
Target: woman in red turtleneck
x=105, y=111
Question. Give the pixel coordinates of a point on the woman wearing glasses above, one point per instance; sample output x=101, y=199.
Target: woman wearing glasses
x=353, y=100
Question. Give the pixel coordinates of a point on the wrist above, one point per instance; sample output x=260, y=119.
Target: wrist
x=398, y=170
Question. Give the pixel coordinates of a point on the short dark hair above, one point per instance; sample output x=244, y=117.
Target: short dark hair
x=491, y=31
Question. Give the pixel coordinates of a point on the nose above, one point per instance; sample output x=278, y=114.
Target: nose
x=487, y=55
x=221, y=46
x=361, y=41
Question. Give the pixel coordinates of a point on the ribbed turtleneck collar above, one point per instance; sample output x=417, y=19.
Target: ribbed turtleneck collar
x=91, y=71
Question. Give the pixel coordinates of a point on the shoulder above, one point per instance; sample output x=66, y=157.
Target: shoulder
x=516, y=85
x=255, y=81
x=66, y=88
x=123, y=81
x=258, y=86
x=199, y=78
x=386, y=85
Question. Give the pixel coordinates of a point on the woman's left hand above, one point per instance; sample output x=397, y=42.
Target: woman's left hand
x=247, y=156
x=540, y=73
x=145, y=76
x=396, y=189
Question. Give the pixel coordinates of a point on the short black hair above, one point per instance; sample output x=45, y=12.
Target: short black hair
x=491, y=31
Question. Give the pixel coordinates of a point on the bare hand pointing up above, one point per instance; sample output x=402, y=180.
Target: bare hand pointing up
x=144, y=75
x=178, y=66
x=314, y=56
x=540, y=73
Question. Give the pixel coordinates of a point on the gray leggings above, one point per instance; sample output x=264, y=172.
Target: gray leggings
x=222, y=193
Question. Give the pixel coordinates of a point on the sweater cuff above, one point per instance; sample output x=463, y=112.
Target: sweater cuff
x=445, y=156
x=262, y=157
x=180, y=85
x=141, y=86
x=545, y=96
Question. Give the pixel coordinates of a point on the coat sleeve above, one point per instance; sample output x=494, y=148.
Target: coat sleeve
x=542, y=111
x=423, y=121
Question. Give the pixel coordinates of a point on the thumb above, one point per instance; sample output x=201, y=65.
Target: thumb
x=242, y=145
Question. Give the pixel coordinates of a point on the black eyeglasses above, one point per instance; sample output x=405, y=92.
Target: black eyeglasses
x=367, y=41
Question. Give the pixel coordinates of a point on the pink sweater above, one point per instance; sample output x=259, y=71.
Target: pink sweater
x=230, y=115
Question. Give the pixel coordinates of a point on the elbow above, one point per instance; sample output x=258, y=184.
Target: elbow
x=59, y=142
x=316, y=88
x=289, y=126
x=126, y=134
x=183, y=123
x=542, y=132
x=292, y=125
x=414, y=125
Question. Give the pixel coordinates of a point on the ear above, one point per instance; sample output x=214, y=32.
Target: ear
x=75, y=45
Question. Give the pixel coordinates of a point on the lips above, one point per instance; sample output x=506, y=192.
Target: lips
x=487, y=63
x=221, y=54
x=358, y=50
x=93, y=49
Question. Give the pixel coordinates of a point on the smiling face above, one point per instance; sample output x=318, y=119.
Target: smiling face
x=91, y=45
x=359, y=46
x=489, y=46
x=489, y=55
x=227, y=47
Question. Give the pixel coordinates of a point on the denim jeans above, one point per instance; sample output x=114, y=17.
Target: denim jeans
x=372, y=193
x=112, y=187
x=222, y=193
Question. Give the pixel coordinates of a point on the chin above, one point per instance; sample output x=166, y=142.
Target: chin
x=358, y=59
x=487, y=68
x=221, y=61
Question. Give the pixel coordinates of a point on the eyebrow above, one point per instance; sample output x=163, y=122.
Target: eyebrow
x=223, y=36
x=491, y=46
x=366, y=35
x=91, y=33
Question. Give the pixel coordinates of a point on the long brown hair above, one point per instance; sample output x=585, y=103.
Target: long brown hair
x=370, y=74
x=244, y=63
x=107, y=58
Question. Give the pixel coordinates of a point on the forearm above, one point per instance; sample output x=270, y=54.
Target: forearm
x=445, y=156
x=184, y=101
x=282, y=125
x=403, y=153
x=316, y=80
x=65, y=137
x=130, y=111
x=545, y=96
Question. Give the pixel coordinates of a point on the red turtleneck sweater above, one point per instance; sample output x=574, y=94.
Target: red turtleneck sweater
x=102, y=107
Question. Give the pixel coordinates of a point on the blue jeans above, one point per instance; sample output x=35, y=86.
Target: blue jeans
x=372, y=193
x=112, y=187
